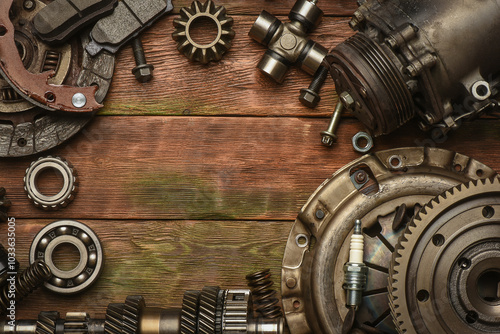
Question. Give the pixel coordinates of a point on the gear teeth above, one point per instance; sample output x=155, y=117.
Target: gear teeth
x=208, y=309
x=208, y=52
x=76, y=323
x=189, y=314
x=132, y=314
x=114, y=319
x=46, y=323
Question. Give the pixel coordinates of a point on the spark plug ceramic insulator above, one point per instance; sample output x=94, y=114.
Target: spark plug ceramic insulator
x=355, y=271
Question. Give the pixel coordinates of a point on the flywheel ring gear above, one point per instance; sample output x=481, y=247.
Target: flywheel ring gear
x=193, y=50
x=445, y=273
x=372, y=188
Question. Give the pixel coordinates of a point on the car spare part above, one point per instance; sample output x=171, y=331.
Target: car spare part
x=287, y=43
x=445, y=272
x=62, y=18
x=362, y=142
x=264, y=297
x=129, y=19
x=26, y=129
x=209, y=311
x=383, y=190
x=310, y=96
x=401, y=64
x=59, y=166
x=81, y=237
x=35, y=87
x=5, y=204
x=23, y=284
x=143, y=71
x=194, y=15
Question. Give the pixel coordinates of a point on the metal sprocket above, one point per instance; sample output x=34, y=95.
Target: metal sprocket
x=445, y=271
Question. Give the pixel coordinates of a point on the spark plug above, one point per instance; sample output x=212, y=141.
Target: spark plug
x=355, y=271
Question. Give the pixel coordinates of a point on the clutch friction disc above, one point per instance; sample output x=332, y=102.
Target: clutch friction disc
x=382, y=189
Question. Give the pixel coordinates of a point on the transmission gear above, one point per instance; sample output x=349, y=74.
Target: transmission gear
x=445, y=272
x=198, y=12
x=46, y=323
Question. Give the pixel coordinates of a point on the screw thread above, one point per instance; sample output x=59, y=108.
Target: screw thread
x=319, y=79
x=138, y=48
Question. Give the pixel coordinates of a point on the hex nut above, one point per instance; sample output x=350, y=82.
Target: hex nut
x=309, y=98
x=347, y=100
x=143, y=73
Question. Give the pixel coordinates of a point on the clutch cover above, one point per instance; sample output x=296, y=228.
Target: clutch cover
x=384, y=190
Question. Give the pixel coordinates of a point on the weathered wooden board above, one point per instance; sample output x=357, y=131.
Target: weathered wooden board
x=233, y=86
x=160, y=167
x=277, y=7
x=161, y=260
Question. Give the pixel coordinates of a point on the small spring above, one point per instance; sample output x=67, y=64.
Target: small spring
x=51, y=61
x=10, y=95
x=264, y=297
x=33, y=277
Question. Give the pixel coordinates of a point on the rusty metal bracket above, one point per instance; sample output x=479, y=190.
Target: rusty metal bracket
x=35, y=87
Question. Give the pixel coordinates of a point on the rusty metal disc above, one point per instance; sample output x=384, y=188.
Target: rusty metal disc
x=318, y=245
x=445, y=272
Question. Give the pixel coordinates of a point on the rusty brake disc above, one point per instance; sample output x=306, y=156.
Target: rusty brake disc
x=376, y=189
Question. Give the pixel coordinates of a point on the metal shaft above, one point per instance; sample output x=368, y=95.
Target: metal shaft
x=319, y=79
x=138, y=48
x=329, y=136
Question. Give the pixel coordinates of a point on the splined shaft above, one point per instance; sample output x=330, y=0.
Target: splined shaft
x=209, y=311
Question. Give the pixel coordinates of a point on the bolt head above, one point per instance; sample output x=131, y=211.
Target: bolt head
x=347, y=100
x=309, y=98
x=328, y=138
x=143, y=73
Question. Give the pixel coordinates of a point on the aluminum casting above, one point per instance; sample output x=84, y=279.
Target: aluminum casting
x=287, y=42
x=445, y=272
x=374, y=188
x=79, y=235
x=433, y=59
x=190, y=16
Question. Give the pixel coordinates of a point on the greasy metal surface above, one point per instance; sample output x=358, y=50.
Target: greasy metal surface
x=371, y=188
x=190, y=16
x=26, y=129
x=91, y=256
x=67, y=192
x=127, y=21
x=445, y=272
x=62, y=18
x=35, y=87
x=431, y=59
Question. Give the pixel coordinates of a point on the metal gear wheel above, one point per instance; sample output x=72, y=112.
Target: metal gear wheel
x=46, y=323
x=114, y=319
x=189, y=313
x=445, y=272
x=382, y=189
x=208, y=310
x=132, y=314
x=190, y=16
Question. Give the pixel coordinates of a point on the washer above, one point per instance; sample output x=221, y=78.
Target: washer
x=64, y=196
x=79, y=235
x=356, y=139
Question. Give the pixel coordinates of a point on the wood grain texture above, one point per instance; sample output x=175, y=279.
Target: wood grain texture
x=162, y=259
x=233, y=86
x=276, y=7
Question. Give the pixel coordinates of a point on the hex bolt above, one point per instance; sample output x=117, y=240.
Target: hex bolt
x=328, y=137
x=143, y=71
x=310, y=96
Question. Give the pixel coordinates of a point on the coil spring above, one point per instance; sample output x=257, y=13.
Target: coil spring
x=32, y=278
x=10, y=95
x=51, y=61
x=265, y=300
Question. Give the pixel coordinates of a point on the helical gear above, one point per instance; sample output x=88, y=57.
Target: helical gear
x=114, y=319
x=46, y=323
x=189, y=315
x=435, y=276
x=193, y=50
x=208, y=310
x=132, y=314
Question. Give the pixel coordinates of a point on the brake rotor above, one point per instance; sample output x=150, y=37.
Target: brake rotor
x=383, y=190
x=26, y=129
x=445, y=272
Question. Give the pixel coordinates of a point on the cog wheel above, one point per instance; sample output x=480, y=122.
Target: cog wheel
x=198, y=12
x=189, y=314
x=132, y=314
x=5, y=204
x=46, y=323
x=76, y=323
x=208, y=310
x=445, y=271
x=114, y=319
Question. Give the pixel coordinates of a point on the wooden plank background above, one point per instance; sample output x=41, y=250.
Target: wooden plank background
x=195, y=178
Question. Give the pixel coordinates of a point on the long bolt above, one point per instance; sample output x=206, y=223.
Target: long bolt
x=143, y=71
x=328, y=137
x=310, y=96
